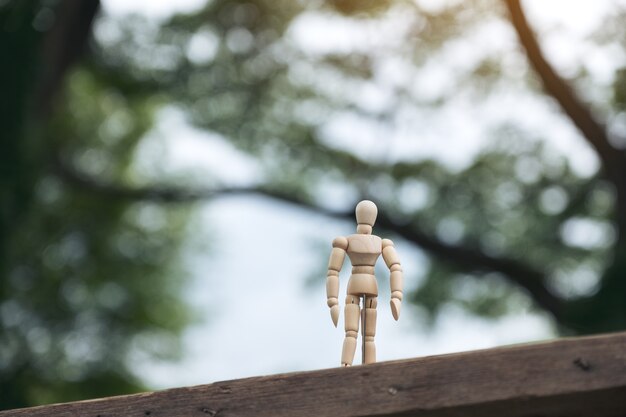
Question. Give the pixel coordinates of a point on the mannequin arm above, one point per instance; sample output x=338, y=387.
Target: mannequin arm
x=340, y=245
x=393, y=263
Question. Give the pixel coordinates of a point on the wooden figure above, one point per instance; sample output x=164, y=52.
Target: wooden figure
x=363, y=249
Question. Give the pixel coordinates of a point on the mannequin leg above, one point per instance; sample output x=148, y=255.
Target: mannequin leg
x=370, y=329
x=352, y=311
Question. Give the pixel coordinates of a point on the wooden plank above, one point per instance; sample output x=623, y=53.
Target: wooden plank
x=568, y=377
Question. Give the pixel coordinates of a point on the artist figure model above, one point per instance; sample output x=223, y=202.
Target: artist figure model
x=363, y=249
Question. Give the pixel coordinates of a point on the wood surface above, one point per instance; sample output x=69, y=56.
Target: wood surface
x=567, y=377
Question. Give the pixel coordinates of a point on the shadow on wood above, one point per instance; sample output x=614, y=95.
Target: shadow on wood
x=568, y=377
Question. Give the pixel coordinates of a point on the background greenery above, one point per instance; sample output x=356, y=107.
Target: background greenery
x=90, y=245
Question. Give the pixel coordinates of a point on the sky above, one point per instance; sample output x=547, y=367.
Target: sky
x=252, y=326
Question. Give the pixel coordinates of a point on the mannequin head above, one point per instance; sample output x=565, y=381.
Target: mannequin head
x=366, y=212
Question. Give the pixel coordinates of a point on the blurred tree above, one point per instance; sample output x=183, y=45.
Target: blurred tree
x=517, y=217
x=84, y=279
x=516, y=223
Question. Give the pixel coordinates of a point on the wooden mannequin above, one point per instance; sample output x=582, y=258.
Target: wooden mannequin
x=363, y=249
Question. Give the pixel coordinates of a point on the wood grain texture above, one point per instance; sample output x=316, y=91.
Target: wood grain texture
x=568, y=377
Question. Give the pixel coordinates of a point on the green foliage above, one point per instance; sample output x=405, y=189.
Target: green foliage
x=87, y=280
x=517, y=200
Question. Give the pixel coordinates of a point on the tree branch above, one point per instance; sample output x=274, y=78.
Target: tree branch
x=62, y=47
x=158, y=194
x=524, y=276
x=595, y=133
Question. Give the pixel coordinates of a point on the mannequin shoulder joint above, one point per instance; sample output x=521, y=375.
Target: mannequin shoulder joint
x=387, y=242
x=340, y=242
